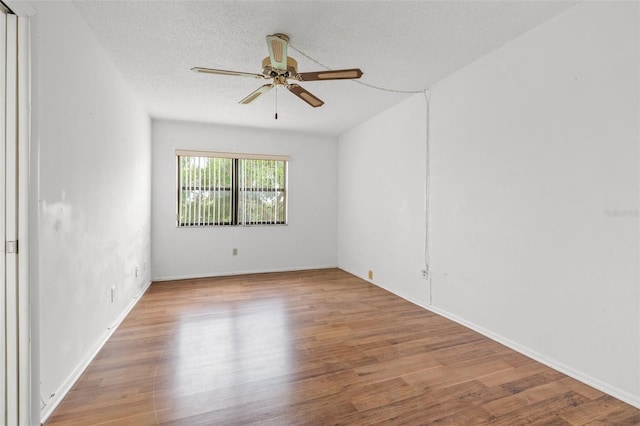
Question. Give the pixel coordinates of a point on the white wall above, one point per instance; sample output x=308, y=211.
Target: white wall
x=381, y=216
x=534, y=196
x=91, y=175
x=309, y=239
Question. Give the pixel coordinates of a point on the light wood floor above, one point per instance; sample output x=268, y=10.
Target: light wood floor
x=315, y=347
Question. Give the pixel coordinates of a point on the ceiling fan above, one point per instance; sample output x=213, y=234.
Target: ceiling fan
x=281, y=68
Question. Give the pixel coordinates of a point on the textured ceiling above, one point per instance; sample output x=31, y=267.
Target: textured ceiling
x=399, y=45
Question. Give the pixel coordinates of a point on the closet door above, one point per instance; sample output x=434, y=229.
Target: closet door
x=10, y=307
x=3, y=323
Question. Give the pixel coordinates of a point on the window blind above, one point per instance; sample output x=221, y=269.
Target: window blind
x=217, y=189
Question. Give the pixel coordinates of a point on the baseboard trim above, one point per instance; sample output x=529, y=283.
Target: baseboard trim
x=64, y=389
x=622, y=395
x=233, y=273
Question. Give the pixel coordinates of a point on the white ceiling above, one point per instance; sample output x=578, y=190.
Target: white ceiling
x=398, y=45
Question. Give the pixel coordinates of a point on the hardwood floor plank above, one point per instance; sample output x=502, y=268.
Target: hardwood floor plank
x=545, y=410
x=314, y=347
x=380, y=393
x=626, y=416
x=592, y=410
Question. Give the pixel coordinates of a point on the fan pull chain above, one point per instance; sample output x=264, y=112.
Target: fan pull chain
x=276, y=102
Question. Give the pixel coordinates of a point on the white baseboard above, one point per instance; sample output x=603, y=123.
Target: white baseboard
x=607, y=388
x=247, y=272
x=66, y=386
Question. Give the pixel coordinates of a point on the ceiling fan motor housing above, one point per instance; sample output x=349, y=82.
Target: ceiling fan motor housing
x=280, y=76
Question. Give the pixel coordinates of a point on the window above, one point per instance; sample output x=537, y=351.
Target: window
x=231, y=189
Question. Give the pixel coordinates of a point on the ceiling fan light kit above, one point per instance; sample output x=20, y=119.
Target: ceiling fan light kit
x=280, y=68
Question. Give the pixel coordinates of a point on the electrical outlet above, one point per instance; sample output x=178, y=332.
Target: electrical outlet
x=113, y=294
x=424, y=273
x=235, y=251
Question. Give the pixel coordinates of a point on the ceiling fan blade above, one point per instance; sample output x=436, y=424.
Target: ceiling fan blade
x=277, y=52
x=225, y=72
x=256, y=93
x=329, y=75
x=305, y=95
